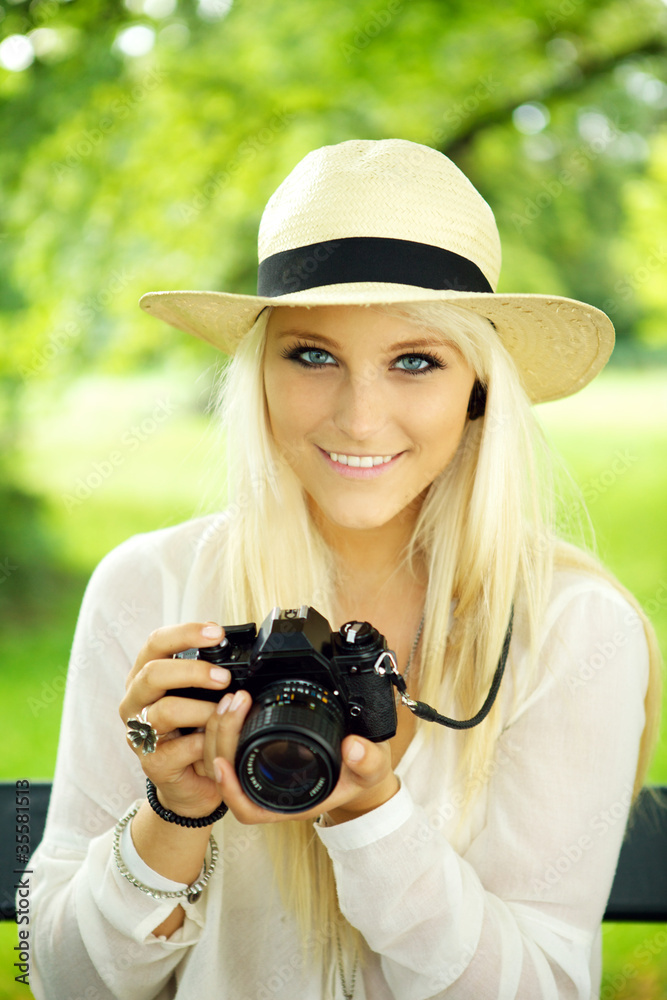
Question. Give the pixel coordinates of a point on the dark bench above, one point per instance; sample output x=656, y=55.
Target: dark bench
x=639, y=892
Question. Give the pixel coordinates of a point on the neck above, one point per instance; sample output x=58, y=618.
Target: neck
x=369, y=557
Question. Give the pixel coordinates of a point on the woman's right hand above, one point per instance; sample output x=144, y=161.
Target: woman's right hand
x=176, y=767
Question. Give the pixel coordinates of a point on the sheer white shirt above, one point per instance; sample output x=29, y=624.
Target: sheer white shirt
x=505, y=904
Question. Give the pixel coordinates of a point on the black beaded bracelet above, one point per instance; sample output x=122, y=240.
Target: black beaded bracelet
x=172, y=817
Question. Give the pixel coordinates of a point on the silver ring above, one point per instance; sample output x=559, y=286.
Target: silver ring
x=140, y=733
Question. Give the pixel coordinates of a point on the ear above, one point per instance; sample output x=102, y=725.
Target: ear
x=477, y=401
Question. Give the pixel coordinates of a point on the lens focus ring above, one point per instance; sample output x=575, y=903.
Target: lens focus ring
x=288, y=758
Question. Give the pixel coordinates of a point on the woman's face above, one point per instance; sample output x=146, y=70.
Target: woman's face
x=366, y=407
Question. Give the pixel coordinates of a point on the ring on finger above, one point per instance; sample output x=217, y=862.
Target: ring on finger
x=141, y=734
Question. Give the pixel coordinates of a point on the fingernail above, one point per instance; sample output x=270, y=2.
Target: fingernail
x=237, y=701
x=224, y=704
x=220, y=674
x=356, y=752
x=218, y=772
x=211, y=631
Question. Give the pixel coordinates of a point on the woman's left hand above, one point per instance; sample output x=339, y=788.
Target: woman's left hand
x=366, y=779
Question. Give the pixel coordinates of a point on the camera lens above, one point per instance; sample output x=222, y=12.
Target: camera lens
x=288, y=758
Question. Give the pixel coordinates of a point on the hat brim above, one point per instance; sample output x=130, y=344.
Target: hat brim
x=558, y=344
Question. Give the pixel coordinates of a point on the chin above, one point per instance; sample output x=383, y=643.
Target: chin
x=365, y=519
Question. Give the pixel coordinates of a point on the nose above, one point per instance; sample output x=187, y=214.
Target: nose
x=361, y=405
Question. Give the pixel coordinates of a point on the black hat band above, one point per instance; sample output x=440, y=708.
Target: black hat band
x=368, y=258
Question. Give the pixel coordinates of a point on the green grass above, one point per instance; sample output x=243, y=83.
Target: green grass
x=614, y=437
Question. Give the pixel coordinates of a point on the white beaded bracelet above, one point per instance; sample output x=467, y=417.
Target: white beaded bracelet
x=192, y=892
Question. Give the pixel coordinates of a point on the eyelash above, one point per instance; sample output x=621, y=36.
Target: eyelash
x=294, y=354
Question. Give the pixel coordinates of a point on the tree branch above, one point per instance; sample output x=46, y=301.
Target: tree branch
x=578, y=76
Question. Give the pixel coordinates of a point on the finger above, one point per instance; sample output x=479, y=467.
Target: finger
x=172, y=757
x=180, y=786
x=224, y=727
x=157, y=677
x=170, y=639
x=369, y=762
x=169, y=714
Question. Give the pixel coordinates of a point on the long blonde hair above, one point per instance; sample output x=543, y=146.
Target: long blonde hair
x=487, y=530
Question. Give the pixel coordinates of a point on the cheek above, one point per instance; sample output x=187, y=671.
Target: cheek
x=291, y=408
x=279, y=400
x=441, y=434
x=445, y=423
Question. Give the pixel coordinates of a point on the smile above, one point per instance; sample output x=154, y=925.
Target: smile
x=359, y=466
x=359, y=461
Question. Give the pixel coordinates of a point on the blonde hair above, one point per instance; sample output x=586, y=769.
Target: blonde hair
x=487, y=530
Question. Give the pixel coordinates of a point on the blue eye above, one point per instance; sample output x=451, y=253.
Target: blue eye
x=417, y=364
x=308, y=357
x=315, y=356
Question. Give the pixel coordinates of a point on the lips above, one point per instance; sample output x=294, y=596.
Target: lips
x=359, y=466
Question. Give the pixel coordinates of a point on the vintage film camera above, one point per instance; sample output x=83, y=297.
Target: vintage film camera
x=310, y=687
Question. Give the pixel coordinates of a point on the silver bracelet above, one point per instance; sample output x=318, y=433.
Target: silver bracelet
x=193, y=892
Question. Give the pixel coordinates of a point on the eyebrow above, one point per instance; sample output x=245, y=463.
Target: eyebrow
x=402, y=345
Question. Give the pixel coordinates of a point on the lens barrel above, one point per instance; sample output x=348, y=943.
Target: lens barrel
x=288, y=757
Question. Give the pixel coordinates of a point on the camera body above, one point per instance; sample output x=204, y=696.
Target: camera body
x=310, y=687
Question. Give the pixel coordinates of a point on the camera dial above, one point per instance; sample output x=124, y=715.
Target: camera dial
x=359, y=633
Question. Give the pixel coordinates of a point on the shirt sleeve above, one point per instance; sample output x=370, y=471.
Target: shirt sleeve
x=91, y=928
x=514, y=915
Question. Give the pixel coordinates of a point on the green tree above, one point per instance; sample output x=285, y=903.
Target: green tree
x=142, y=141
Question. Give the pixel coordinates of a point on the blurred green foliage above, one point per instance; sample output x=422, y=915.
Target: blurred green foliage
x=126, y=173
x=141, y=142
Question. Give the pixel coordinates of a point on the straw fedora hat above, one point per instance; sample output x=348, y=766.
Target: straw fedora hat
x=369, y=222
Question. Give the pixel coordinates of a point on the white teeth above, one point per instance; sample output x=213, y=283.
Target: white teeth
x=360, y=461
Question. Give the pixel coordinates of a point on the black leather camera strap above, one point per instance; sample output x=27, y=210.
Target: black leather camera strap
x=424, y=711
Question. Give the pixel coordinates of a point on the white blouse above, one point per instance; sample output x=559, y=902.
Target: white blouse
x=505, y=904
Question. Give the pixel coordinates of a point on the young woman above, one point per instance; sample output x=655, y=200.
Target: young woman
x=385, y=467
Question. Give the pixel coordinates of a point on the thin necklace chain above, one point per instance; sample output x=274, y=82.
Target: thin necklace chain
x=348, y=991
x=414, y=647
